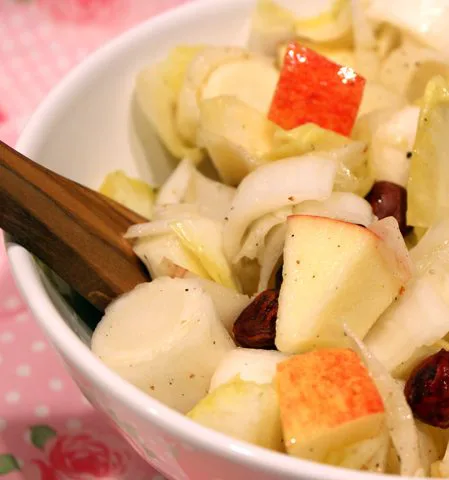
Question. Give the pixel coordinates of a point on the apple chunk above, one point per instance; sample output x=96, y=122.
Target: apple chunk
x=327, y=400
x=244, y=410
x=312, y=89
x=334, y=273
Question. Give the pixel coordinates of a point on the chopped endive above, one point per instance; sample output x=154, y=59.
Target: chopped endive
x=404, y=370
x=353, y=174
x=388, y=38
x=361, y=455
x=213, y=197
x=188, y=189
x=398, y=339
x=174, y=68
x=235, y=135
x=377, y=97
x=278, y=21
x=203, y=238
x=426, y=21
x=433, y=248
x=333, y=24
x=395, y=252
x=252, y=80
x=365, y=45
x=399, y=417
x=130, y=192
x=199, y=70
x=244, y=410
x=304, y=139
x=153, y=249
x=341, y=55
x=367, y=124
x=157, y=102
x=169, y=349
x=441, y=469
x=248, y=364
x=391, y=145
x=389, y=135
x=271, y=255
x=270, y=26
x=398, y=333
x=432, y=444
x=428, y=183
x=409, y=68
x=341, y=206
x=278, y=184
x=227, y=302
x=175, y=187
x=254, y=243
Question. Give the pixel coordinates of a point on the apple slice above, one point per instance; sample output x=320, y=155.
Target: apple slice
x=312, y=88
x=327, y=400
x=244, y=410
x=334, y=273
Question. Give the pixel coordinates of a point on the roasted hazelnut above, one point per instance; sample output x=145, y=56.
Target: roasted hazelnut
x=427, y=390
x=388, y=199
x=256, y=325
x=278, y=279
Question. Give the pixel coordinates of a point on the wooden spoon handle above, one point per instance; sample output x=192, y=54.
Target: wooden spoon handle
x=77, y=232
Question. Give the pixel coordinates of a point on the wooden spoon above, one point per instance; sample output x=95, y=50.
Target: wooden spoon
x=76, y=231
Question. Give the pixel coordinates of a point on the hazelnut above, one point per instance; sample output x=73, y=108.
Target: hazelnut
x=388, y=199
x=279, y=277
x=427, y=390
x=256, y=325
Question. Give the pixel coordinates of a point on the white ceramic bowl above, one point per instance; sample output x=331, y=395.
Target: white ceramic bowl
x=85, y=129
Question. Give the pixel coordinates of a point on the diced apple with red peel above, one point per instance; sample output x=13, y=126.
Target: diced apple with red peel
x=327, y=400
x=311, y=88
x=334, y=273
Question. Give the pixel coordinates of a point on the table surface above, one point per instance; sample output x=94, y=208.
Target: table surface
x=48, y=431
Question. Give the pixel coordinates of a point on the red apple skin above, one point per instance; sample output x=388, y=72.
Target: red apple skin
x=313, y=89
x=322, y=391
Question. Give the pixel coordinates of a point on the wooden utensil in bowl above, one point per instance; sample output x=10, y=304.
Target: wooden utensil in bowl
x=76, y=231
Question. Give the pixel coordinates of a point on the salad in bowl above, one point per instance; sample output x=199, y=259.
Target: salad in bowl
x=299, y=251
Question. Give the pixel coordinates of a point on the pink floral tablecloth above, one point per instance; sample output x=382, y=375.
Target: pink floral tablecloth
x=48, y=431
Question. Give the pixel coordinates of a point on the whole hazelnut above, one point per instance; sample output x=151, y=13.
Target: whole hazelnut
x=388, y=199
x=256, y=325
x=427, y=390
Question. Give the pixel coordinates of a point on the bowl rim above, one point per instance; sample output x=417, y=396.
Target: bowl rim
x=29, y=282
